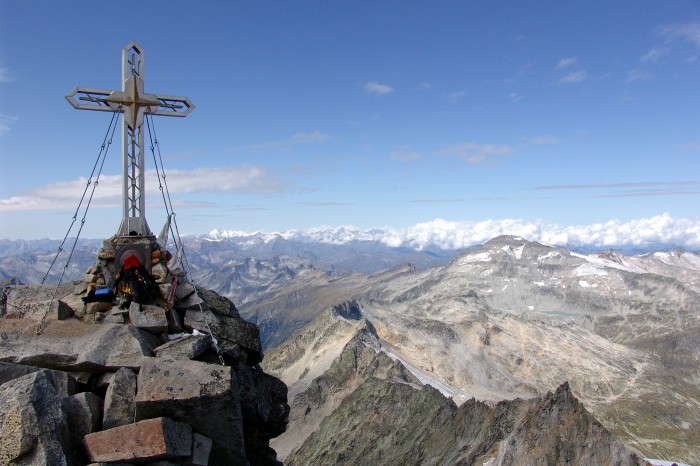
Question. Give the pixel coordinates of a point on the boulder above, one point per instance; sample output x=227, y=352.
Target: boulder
x=184, y=289
x=9, y=371
x=229, y=332
x=33, y=423
x=152, y=439
x=62, y=310
x=119, y=405
x=188, y=347
x=98, y=307
x=265, y=411
x=76, y=346
x=219, y=304
x=204, y=395
x=84, y=412
x=201, y=449
x=120, y=346
x=190, y=302
x=149, y=318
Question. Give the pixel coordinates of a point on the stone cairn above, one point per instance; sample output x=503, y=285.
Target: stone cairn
x=176, y=381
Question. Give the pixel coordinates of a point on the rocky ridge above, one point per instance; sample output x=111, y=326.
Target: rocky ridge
x=367, y=408
x=116, y=381
x=515, y=319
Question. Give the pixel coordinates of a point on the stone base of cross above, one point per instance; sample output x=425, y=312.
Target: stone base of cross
x=132, y=102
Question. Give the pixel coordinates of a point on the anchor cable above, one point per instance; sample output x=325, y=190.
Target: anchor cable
x=105, y=148
x=163, y=186
x=103, y=156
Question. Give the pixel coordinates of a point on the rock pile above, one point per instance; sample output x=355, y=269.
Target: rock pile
x=99, y=377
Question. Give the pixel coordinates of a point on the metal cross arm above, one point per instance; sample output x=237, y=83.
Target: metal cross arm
x=132, y=102
x=85, y=98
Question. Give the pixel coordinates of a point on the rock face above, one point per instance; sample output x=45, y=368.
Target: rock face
x=385, y=422
x=85, y=377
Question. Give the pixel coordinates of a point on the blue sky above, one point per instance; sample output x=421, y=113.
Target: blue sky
x=368, y=114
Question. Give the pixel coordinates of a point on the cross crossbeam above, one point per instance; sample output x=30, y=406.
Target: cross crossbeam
x=132, y=102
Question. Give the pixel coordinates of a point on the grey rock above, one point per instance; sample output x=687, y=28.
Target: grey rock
x=229, y=331
x=10, y=371
x=193, y=301
x=159, y=271
x=104, y=380
x=201, y=449
x=119, y=407
x=113, y=319
x=33, y=424
x=62, y=310
x=188, y=347
x=218, y=304
x=84, y=412
x=76, y=346
x=120, y=346
x=204, y=395
x=184, y=289
x=96, y=307
x=265, y=411
x=149, y=318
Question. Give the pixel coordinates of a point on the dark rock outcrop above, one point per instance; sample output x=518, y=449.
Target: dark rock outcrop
x=391, y=423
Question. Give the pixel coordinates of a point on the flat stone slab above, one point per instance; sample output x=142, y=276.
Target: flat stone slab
x=149, y=318
x=72, y=345
x=152, y=439
x=187, y=347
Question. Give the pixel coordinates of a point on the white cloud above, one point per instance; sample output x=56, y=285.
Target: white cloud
x=6, y=123
x=405, y=154
x=474, y=153
x=446, y=234
x=654, y=54
x=309, y=138
x=5, y=75
x=456, y=96
x=637, y=75
x=378, y=88
x=687, y=32
x=251, y=179
x=566, y=63
x=515, y=97
x=574, y=77
x=546, y=139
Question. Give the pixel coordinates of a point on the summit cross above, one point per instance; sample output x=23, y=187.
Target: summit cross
x=132, y=102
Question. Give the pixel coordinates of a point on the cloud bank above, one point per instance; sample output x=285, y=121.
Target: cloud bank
x=247, y=179
x=661, y=231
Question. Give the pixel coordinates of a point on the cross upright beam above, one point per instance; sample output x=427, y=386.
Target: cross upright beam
x=132, y=102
